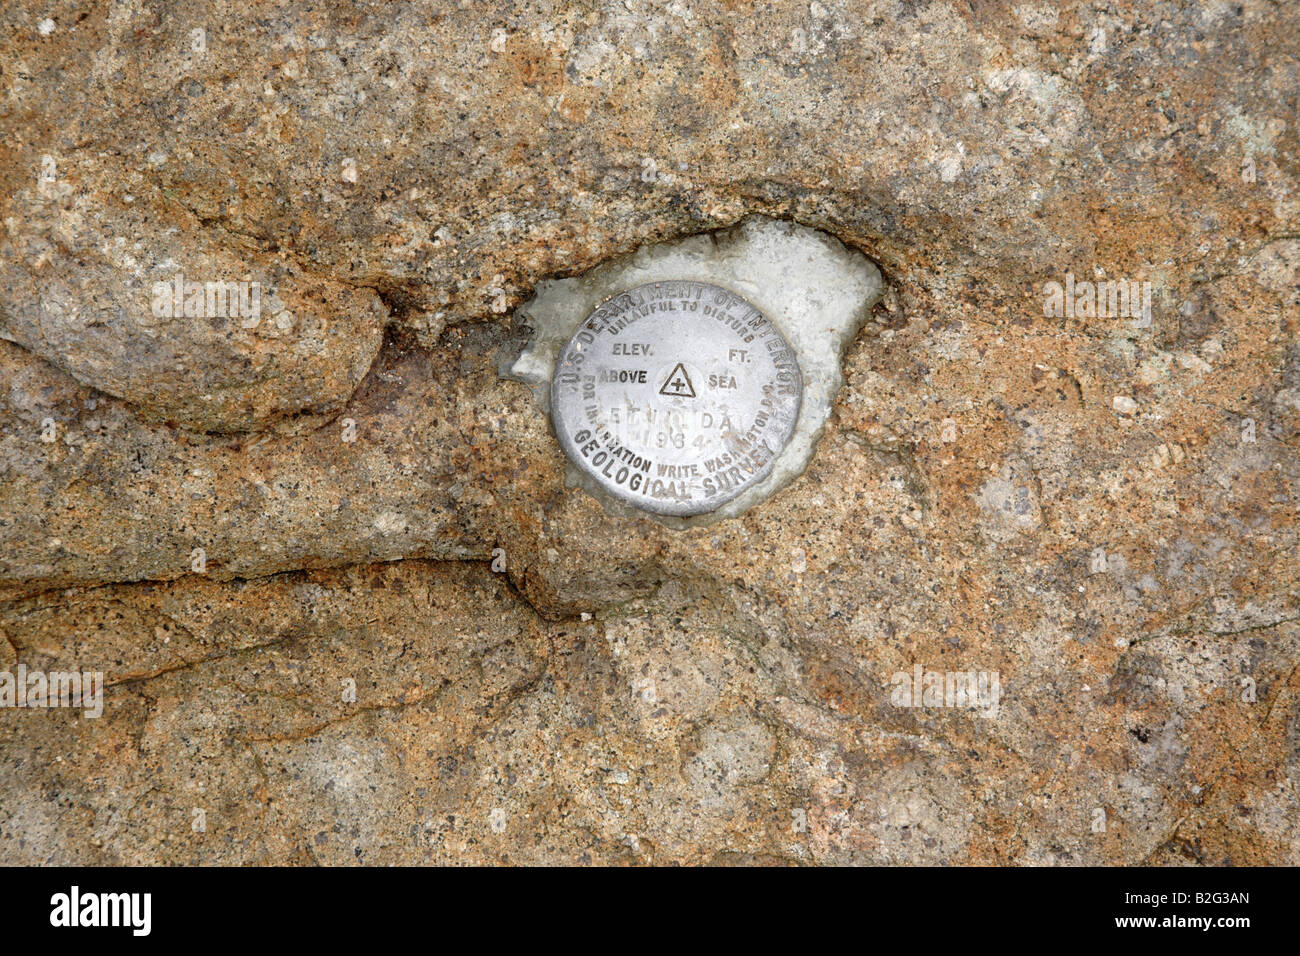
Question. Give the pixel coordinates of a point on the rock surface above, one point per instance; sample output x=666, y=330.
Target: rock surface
x=346, y=605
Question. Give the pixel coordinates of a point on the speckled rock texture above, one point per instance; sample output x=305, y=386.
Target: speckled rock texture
x=347, y=608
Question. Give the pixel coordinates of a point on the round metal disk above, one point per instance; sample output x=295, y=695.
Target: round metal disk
x=676, y=396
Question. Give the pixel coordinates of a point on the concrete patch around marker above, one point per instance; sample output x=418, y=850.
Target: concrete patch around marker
x=815, y=289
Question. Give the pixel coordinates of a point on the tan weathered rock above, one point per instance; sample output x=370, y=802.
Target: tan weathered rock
x=233, y=526
x=185, y=324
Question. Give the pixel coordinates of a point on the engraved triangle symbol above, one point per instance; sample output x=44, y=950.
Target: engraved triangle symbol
x=678, y=383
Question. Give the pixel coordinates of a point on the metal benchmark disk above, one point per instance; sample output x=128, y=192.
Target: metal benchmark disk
x=676, y=396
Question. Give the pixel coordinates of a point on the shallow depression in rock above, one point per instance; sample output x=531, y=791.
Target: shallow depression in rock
x=815, y=291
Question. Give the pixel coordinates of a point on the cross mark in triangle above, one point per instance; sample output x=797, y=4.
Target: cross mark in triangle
x=678, y=383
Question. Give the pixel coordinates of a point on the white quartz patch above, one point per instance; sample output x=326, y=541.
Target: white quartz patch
x=816, y=290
